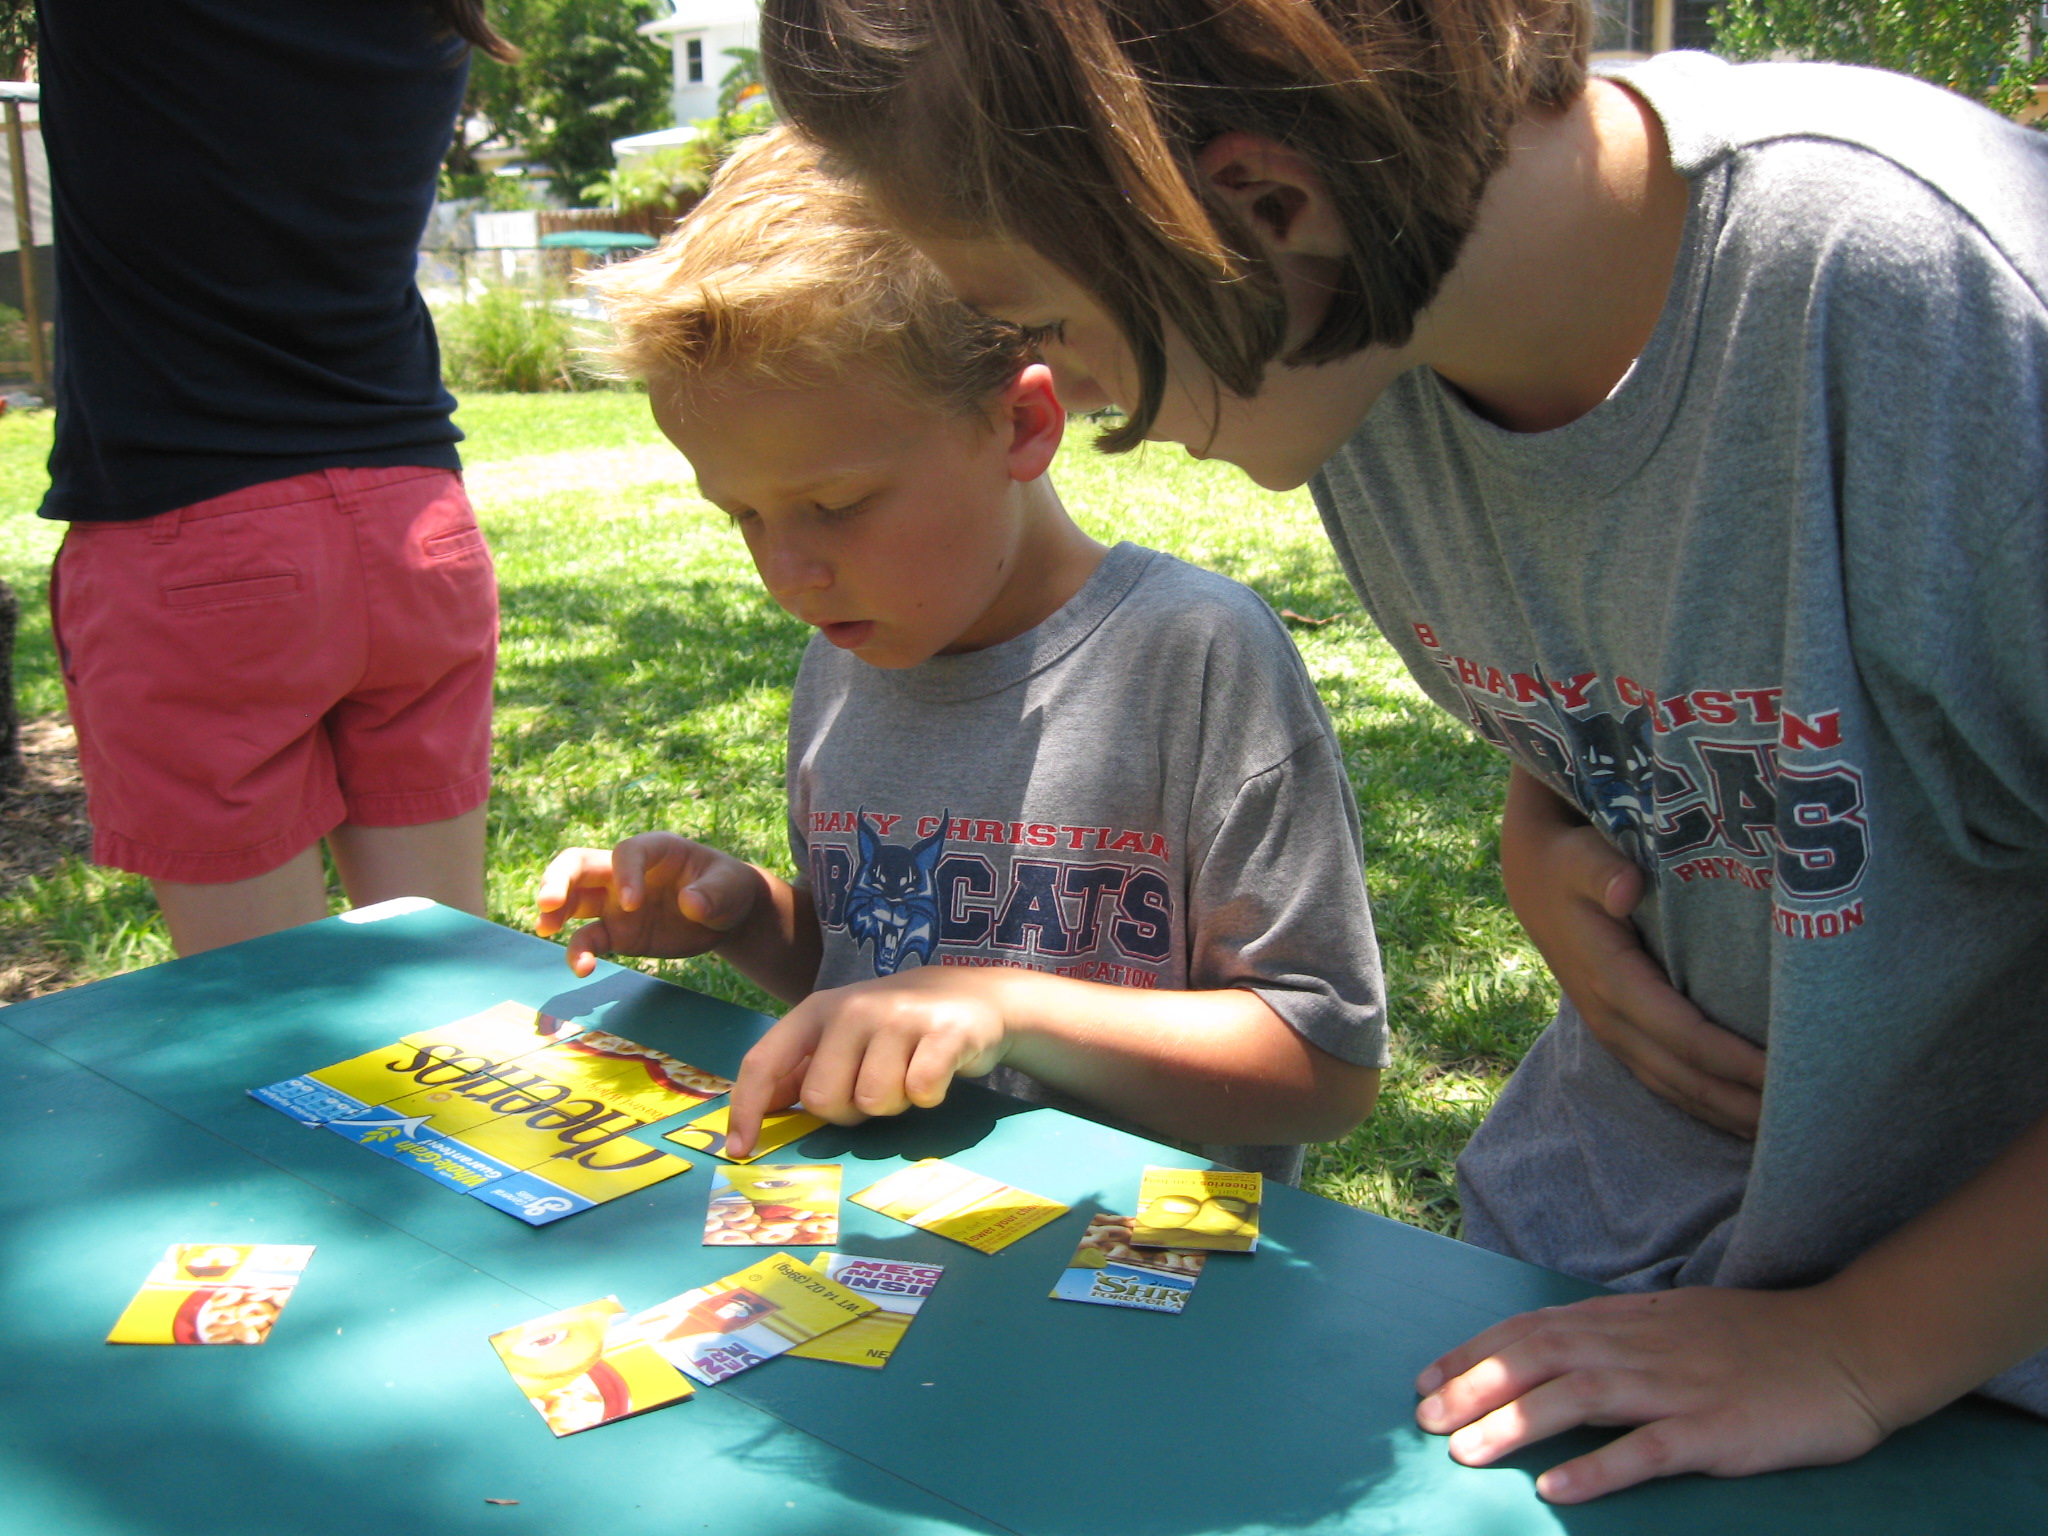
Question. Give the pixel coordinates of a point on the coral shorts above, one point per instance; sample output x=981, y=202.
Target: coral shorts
x=247, y=673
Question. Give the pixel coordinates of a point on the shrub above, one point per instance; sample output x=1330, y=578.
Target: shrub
x=512, y=339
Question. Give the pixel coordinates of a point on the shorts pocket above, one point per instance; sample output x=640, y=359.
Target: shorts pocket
x=237, y=589
x=455, y=543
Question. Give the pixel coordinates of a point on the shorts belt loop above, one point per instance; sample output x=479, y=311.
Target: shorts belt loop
x=342, y=488
x=163, y=528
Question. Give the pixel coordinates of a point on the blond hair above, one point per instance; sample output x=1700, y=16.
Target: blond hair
x=782, y=275
x=1072, y=127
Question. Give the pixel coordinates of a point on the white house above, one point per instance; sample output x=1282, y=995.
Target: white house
x=698, y=34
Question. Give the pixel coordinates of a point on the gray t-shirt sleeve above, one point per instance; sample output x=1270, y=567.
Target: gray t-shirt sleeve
x=1278, y=905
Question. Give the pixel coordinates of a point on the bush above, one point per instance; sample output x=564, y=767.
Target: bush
x=511, y=339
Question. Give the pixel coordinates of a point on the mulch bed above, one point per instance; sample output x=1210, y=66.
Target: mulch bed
x=42, y=823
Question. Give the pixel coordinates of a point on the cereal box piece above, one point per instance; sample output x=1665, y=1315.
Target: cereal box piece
x=504, y=1031
x=1212, y=1208
x=554, y=1178
x=213, y=1293
x=433, y=1057
x=706, y=1133
x=953, y=1202
x=773, y=1205
x=1109, y=1272
x=414, y=1142
x=636, y=1078
x=731, y=1325
x=897, y=1289
x=580, y=1368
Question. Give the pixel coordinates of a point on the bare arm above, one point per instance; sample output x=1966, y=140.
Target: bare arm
x=1733, y=1382
x=663, y=895
x=1573, y=894
x=1207, y=1066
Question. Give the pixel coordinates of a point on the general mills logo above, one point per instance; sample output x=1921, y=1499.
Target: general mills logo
x=548, y=1205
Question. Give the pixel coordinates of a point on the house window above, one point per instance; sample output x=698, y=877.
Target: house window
x=693, y=60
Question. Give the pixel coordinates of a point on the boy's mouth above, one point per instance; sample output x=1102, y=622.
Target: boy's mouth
x=848, y=634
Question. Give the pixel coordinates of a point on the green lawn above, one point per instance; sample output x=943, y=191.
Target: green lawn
x=645, y=683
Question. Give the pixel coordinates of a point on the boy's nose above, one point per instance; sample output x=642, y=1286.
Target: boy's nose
x=788, y=570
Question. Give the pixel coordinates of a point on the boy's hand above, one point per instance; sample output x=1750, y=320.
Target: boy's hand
x=654, y=894
x=1724, y=1382
x=872, y=1048
x=1574, y=893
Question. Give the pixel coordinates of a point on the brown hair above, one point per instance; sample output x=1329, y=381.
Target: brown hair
x=1072, y=126
x=466, y=19
x=784, y=275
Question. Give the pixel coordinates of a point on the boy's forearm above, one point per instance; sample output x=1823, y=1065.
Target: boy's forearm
x=1215, y=1066
x=778, y=947
x=1956, y=1295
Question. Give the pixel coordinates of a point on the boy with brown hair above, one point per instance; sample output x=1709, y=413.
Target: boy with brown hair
x=1069, y=818
x=1686, y=429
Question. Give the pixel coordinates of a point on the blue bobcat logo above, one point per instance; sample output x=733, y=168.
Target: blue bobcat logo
x=892, y=902
x=1613, y=772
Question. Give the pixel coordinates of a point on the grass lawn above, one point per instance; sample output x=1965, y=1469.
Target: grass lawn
x=645, y=683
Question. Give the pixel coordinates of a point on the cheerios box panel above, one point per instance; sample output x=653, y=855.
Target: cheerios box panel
x=439, y=1055
x=547, y=1180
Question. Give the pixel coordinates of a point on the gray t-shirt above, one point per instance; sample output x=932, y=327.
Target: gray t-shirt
x=1143, y=790
x=1775, y=616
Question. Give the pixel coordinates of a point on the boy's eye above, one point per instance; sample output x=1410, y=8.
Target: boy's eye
x=848, y=509
x=1041, y=335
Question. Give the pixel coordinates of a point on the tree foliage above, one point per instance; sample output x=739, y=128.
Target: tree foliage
x=1995, y=51
x=584, y=77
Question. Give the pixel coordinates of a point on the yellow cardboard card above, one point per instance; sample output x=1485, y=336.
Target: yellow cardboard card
x=580, y=1369
x=503, y=1031
x=764, y=1310
x=954, y=1202
x=1212, y=1208
x=444, y=1056
x=706, y=1133
x=897, y=1289
x=213, y=1293
x=773, y=1204
x=636, y=1078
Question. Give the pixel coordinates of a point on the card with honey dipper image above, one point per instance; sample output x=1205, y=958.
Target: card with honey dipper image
x=774, y=1205
x=580, y=1369
x=1212, y=1208
x=213, y=1293
x=1108, y=1272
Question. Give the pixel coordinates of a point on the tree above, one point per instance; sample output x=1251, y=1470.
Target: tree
x=1995, y=51
x=584, y=77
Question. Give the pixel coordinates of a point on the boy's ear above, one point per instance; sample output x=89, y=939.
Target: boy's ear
x=1277, y=191
x=1030, y=411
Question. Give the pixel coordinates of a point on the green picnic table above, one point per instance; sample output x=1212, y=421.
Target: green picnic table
x=1278, y=1402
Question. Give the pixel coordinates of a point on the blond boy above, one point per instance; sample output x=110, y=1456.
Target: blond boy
x=1070, y=818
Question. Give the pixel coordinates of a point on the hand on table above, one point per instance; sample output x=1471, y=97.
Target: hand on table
x=1724, y=1382
x=873, y=1048
x=654, y=894
x=1573, y=893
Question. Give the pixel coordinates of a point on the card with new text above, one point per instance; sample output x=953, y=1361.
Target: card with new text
x=897, y=1289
